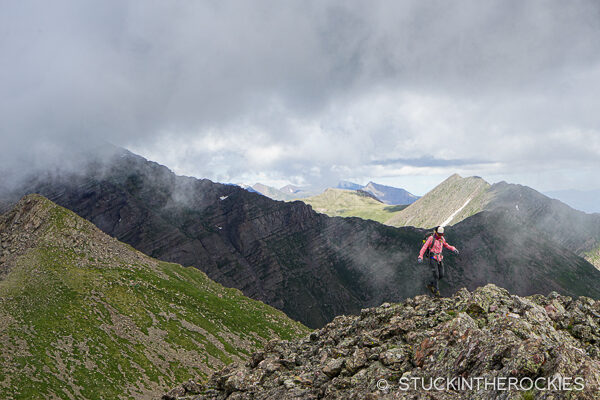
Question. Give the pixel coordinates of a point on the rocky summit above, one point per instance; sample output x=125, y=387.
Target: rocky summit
x=485, y=344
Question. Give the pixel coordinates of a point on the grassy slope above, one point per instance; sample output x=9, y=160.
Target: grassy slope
x=84, y=316
x=593, y=257
x=350, y=203
x=439, y=204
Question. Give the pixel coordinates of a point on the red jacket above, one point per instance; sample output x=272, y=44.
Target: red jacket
x=436, y=247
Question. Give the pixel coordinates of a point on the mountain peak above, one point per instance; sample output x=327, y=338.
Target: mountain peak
x=376, y=185
x=449, y=202
x=29, y=206
x=27, y=216
x=348, y=185
x=390, y=195
x=32, y=204
x=35, y=221
x=290, y=188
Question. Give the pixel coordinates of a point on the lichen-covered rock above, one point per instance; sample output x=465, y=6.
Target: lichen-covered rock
x=487, y=334
x=333, y=367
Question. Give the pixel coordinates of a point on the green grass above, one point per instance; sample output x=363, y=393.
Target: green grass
x=349, y=203
x=593, y=257
x=80, y=325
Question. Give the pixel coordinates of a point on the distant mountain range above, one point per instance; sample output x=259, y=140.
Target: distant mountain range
x=286, y=193
x=351, y=203
x=386, y=194
x=584, y=200
x=311, y=266
x=390, y=195
x=83, y=316
x=272, y=192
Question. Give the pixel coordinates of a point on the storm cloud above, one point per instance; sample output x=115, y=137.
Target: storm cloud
x=310, y=91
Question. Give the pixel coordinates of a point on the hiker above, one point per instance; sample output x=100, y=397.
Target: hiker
x=432, y=249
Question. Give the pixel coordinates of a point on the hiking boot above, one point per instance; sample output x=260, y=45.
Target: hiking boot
x=431, y=288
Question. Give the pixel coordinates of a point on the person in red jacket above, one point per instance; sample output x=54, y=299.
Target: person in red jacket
x=435, y=243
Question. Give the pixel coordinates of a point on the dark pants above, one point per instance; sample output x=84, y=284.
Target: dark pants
x=437, y=271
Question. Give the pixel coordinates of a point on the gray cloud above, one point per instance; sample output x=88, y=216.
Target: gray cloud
x=306, y=90
x=430, y=162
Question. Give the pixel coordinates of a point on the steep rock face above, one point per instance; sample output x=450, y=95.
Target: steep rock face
x=576, y=230
x=84, y=316
x=392, y=352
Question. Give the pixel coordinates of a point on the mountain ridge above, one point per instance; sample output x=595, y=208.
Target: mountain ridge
x=383, y=353
x=459, y=198
x=311, y=266
x=386, y=194
x=85, y=316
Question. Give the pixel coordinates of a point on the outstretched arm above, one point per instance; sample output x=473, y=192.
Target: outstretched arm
x=425, y=246
x=451, y=248
x=446, y=245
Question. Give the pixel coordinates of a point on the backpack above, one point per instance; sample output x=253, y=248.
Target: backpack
x=427, y=253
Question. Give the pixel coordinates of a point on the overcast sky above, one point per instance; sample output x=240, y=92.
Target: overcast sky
x=398, y=92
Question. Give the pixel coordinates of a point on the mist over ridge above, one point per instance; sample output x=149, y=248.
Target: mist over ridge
x=401, y=94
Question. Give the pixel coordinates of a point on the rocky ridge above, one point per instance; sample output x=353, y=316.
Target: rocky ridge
x=487, y=334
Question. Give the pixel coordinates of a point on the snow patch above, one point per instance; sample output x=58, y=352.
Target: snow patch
x=450, y=218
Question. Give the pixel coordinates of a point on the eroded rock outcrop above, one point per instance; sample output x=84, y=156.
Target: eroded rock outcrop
x=483, y=336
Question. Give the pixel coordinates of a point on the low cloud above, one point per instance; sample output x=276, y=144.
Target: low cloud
x=307, y=91
x=429, y=161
